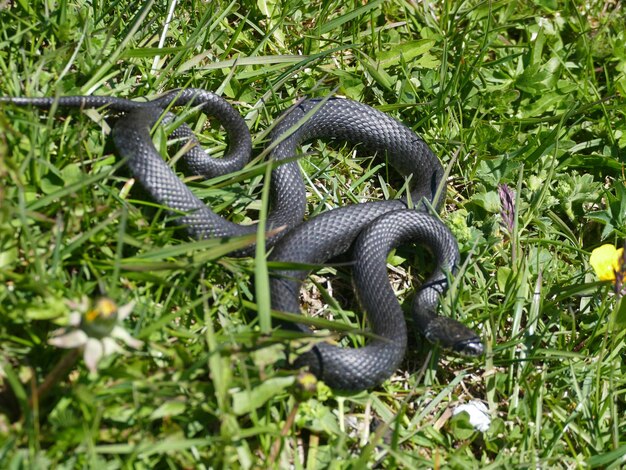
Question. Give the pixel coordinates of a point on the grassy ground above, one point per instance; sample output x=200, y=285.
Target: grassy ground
x=528, y=94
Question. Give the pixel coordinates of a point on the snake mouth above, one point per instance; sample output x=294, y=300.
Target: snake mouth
x=471, y=347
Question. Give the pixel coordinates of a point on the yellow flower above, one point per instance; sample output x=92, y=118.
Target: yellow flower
x=606, y=260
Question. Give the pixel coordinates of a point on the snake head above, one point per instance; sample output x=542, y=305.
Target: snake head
x=470, y=347
x=453, y=336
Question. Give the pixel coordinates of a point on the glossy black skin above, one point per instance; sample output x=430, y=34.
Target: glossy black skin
x=373, y=228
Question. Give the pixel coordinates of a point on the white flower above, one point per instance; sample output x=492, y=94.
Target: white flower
x=95, y=329
x=478, y=414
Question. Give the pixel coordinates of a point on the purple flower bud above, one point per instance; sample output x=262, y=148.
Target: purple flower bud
x=507, y=204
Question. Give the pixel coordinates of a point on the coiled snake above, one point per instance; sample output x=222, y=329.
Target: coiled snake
x=372, y=228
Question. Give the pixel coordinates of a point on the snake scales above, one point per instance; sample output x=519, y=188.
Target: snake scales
x=372, y=229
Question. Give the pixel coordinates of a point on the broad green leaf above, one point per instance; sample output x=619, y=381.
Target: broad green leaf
x=377, y=72
x=620, y=312
x=489, y=201
x=503, y=277
x=538, y=78
x=408, y=51
x=246, y=401
x=49, y=308
x=169, y=408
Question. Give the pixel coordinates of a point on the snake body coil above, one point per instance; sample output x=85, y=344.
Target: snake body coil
x=373, y=228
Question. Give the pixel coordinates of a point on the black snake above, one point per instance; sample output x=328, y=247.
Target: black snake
x=371, y=228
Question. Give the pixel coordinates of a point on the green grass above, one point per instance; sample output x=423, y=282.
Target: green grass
x=531, y=94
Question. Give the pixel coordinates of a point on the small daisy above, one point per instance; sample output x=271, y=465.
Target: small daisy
x=95, y=330
x=479, y=416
